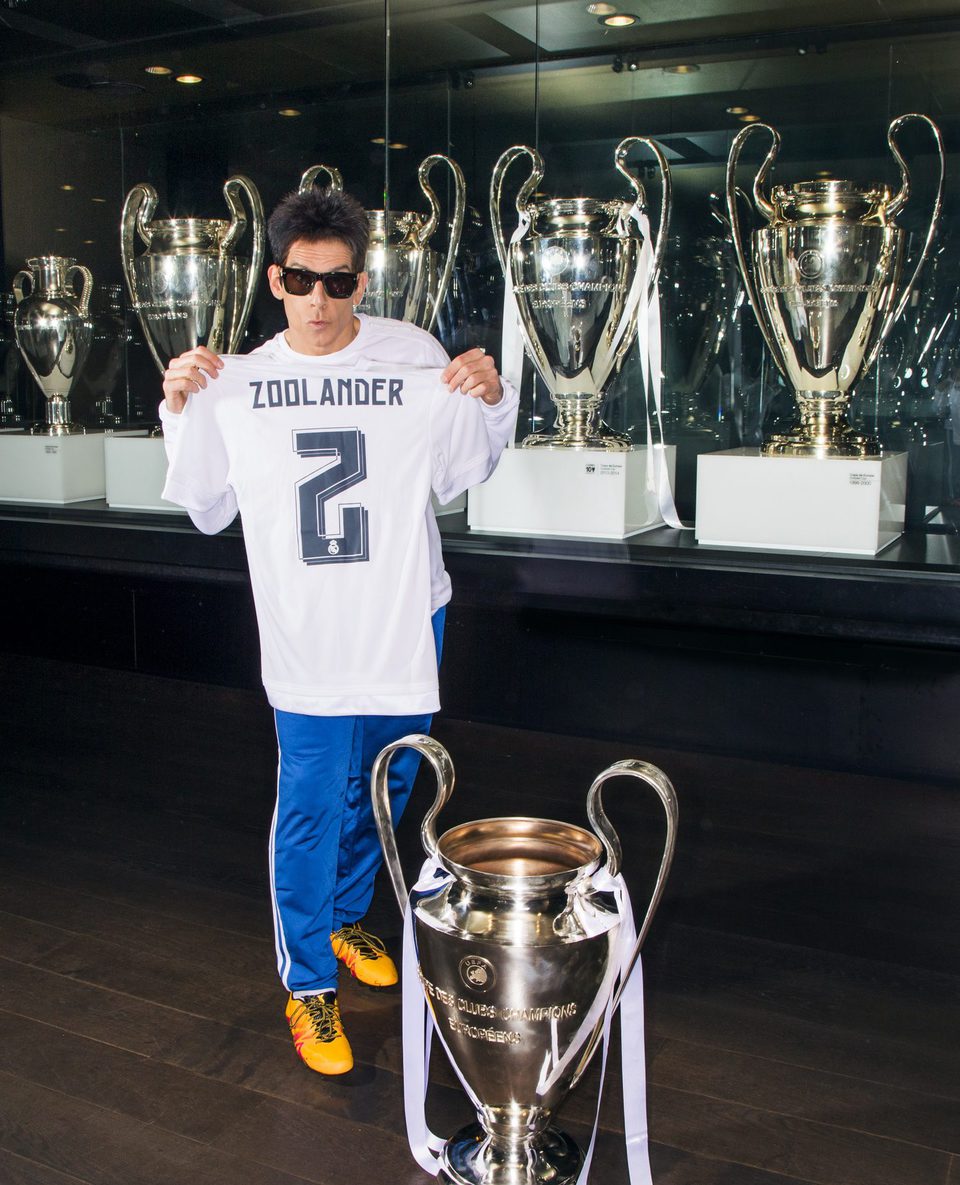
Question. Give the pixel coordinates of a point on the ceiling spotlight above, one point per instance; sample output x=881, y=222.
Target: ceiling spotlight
x=159, y=70
x=397, y=144
x=619, y=20
x=749, y=118
x=189, y=79
x=378, y=140
x=289, y=112
x=66, y=188
x=687, y=68
x=738, y=110
x=99, y=200
x=601, y=9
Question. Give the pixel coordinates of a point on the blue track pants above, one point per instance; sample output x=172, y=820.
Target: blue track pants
x=324, y=849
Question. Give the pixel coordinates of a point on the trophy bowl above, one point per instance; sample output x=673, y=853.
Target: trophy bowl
x=574, y=268
x=53, y=330
x=520, y=956
x=407, y=277
x=826, y=286
x=189, y=287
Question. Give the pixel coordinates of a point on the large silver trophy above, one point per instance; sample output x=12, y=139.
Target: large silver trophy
x=407, y=278
x=826, y=286
x=574, y=265
x=190, y=287
x=518, y=954
x=53, y=329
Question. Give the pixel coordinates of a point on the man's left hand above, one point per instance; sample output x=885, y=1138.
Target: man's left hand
x=475, y=374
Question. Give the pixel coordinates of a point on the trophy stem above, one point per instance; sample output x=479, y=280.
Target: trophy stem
x=58, y=421
x=823, y=430
x=579, y=426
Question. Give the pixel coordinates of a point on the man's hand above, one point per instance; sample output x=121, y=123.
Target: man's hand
x=188, y=374
x=476, y=375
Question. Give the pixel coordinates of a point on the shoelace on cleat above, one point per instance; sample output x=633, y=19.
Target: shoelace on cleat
x=324, y=1017
x=366, y=945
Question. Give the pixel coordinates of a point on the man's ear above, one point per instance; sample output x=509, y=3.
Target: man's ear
x=273, y=276
x=360, y=288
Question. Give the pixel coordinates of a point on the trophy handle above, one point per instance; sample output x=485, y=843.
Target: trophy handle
x=232, y=189
x=666, y=198
x=86, y=286
x=442, y=765
x=309, y=178
x=896, y=204
x=138, y=209
x=603, y=828
x=765, y=208
x=523, y=204
x=456, y=224
x=18, y=279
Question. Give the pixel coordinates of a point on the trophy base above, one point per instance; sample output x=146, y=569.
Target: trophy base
x=604, y=438
x=53, y=469
x=58, y=430
x=576, y=493
x=136, y=471
x=797, y=445
x=470, y=1159
x=839, y=505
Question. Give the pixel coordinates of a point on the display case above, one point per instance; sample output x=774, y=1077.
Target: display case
x=180, y=98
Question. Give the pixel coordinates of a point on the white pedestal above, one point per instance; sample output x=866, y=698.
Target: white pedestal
x=847, y=505
x=53, y=469
x=585, y=493
x=136, y=468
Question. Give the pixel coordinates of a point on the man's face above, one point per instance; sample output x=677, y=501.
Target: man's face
x=318, y=323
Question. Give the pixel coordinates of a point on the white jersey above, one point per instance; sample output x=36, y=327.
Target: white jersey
x=331, y=468
x=379, y=340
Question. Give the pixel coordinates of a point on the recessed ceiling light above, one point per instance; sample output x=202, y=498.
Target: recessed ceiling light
x=601, y=9
x=289, y=112
x=397, y=144
x=60, y=230
x=688, y=68
x=88, y=242
x=66, y=188
x=161, y=70
x=749, y=118
x=737, y=110
x=189, y=79
x=620, y=20
x=378, y=140
x=101, y=201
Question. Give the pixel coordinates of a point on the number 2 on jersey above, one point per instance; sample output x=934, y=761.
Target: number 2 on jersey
x=319, y=542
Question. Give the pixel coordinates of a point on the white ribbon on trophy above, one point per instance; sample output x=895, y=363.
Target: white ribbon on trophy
x=418, y=1030
x=511, y=344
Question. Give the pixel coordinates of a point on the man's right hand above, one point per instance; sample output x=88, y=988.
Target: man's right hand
x=187, y=374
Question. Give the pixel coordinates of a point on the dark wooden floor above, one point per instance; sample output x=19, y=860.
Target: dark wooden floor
x=802, y=978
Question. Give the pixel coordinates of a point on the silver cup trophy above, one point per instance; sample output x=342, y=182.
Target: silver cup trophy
x=53, y=328
x=574, y=268
x=826, y=286
x=407, y=278
x=516, y=955
x=190, y=287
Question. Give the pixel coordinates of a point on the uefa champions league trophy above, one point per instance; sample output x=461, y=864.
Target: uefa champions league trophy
x=523, y=947
x=190, y=287
x=575, y=269
x=825, y=285
x=53, y=329
x=407, y=278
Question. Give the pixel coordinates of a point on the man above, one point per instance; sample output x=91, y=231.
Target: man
x=350, y=617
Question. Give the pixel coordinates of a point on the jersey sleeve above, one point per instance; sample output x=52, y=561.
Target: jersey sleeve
x=466, y=444
x=198, y=465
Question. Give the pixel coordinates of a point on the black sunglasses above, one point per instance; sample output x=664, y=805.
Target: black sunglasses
x=298, y=281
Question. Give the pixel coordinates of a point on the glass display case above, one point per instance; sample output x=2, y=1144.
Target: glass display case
x=98, y=99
